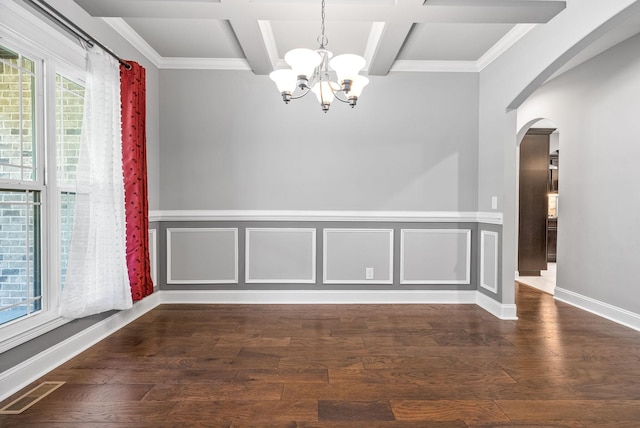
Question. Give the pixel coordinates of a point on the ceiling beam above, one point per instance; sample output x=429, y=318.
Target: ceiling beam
x=392, y=21
x=254, y=44
x=431, y=11
x=385, y=54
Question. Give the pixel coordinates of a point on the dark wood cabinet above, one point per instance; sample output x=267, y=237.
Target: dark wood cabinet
x=552, y=239
x=552, y=220
x=533, y=209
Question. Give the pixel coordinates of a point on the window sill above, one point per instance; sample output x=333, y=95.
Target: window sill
x=23, y=330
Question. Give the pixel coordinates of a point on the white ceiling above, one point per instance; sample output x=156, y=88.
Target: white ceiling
x=462, y=35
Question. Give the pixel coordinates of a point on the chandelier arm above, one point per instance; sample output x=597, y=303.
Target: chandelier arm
x=336, y=93
x=306, y=91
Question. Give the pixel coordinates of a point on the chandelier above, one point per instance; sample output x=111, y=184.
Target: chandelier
x=314, y=71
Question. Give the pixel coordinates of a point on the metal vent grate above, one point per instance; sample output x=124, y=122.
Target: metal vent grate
x=30, y=398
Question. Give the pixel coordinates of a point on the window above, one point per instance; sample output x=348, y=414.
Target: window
x=36, y=203
x=69, y=111
x=21, y=186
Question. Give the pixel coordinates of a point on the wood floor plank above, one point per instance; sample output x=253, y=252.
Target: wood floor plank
x=215, y=392
x=354, y=411
x=283, y=375
x=239, y=410
x=141, y=413
x=592, y=411
x=105, y=393
x=419, y=376
x=470, y=411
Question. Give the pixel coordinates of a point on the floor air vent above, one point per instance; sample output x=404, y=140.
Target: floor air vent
x=30, y=398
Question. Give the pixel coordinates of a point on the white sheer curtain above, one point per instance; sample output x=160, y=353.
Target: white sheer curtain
x=97, y=279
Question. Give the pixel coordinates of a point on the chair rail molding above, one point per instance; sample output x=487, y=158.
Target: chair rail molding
x=346, y=216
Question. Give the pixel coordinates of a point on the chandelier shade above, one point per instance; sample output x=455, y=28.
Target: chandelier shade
x=285, y=80
x=302, y=61
x=325, y=93
x=316, y=71
x=347, y=67
x=357, y=86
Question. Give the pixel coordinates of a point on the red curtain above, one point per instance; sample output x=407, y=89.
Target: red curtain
x=134, y=165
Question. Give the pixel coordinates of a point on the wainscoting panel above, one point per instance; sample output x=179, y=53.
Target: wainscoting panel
x=280, y=255
x=435, y=256
x=202, y=255
x=489, y=260
x=358, y=256
x=153, y=255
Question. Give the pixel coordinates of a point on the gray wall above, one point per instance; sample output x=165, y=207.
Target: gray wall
x=229, y=142
x=507, y=82
x=596, y=109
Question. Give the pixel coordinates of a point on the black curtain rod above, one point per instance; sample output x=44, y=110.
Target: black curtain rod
x=64, y=22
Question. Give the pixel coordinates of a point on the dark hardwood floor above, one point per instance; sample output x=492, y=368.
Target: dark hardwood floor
x=352, y=366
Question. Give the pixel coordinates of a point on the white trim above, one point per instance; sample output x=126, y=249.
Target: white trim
x=509, y=39
x=30, y=370
x=247, y=258
x=355, y=216
x=467, y=278
x=153, y=246
x=493, y=288
x=373, y=42
x=138, y=42
x=171, y=280
x=22, y=330
x=422, y=66
x=134, y=39
x=495, y=308
x=269, y=41
x=605, y=310
x=234, y=64
x=313, y=297
x=325, y=252
x=24, y=27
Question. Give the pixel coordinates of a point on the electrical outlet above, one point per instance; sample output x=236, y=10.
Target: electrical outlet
x=494, y=202
x=368, y=273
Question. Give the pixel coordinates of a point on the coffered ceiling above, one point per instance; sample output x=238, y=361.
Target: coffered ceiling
x=458, y=35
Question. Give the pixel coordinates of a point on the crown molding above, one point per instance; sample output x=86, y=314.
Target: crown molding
x=238, y=64
x=125, y=30
x=508, y=40
x=435, y=66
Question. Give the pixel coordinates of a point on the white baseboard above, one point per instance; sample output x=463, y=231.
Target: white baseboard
x=30, y=370
x=497, y=309
x=605, y=310
x=319, y=297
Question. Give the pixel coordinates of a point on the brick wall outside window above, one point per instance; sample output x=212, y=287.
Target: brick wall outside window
x=20, y=211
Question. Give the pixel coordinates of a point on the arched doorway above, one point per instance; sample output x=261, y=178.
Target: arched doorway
x=538, y=196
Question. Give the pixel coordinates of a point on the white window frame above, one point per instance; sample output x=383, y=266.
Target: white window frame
x=54, y=54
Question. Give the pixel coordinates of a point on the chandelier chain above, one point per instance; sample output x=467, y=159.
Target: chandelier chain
x=322, y=39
